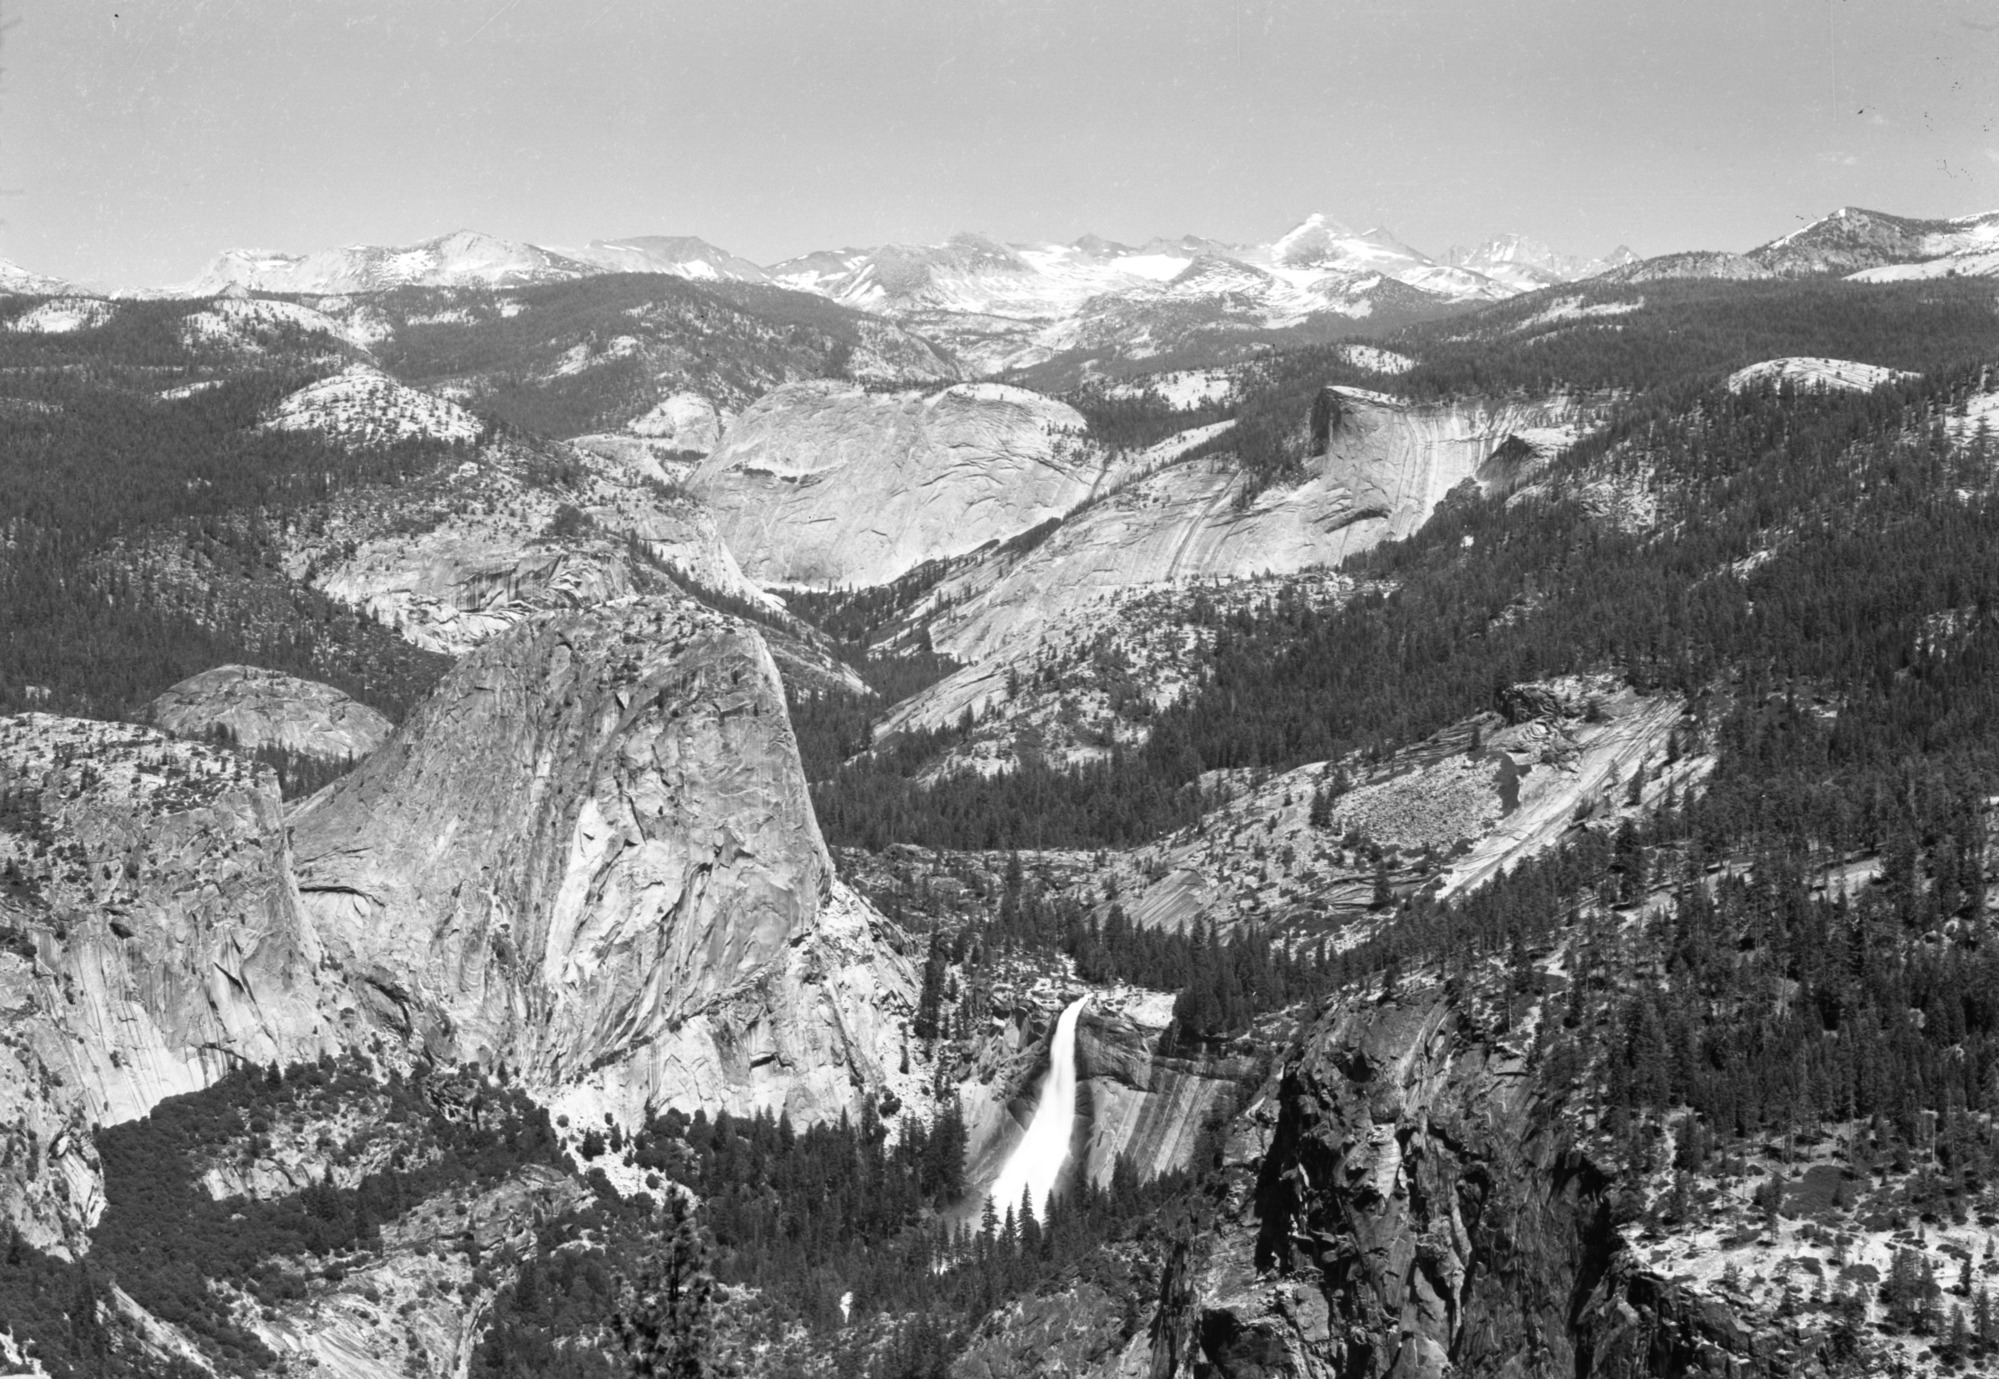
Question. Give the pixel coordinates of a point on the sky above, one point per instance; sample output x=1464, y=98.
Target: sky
x=138, y=138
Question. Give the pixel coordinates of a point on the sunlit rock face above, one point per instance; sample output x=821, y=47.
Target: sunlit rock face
x=591, y=856
x=1400, y=1198
x=827, y=484
x=255, y=707
x=1372, y=469
x=153, y=940
x=1143, y=1106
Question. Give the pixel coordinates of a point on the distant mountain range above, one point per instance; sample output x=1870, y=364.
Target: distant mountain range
x=1050, y=314
x=1003, y=307
x=1867, y=246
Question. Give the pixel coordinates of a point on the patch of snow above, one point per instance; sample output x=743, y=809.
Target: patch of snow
x=1573, y=309
x=62, y=315
x=1970, y=265
x=1980, y=413
x=1181, y=389
x=189, y=389
x=1377, y=360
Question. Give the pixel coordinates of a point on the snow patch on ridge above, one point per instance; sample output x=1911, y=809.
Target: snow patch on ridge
x=1573, y=309
x=62, y=315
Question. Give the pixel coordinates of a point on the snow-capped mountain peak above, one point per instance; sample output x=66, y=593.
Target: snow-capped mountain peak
x=463, y=258
x=25, y=282
x=683, y=256
x=1315, y=240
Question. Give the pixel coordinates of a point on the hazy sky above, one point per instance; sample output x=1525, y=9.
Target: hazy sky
x=138, y=137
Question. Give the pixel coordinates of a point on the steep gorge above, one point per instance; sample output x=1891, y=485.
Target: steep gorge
x=1405, y=1197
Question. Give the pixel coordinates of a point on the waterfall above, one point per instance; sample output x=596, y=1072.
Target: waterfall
x=1036, y=1162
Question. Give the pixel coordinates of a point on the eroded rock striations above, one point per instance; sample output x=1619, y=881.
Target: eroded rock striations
x=1411, y=1205
x=1375, y=469
x=827, y=484
x=153, y=940
x=591, y=856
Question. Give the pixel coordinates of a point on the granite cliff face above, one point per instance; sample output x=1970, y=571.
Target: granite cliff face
x=153, y=940
x=1375, y=470
x=514, y=530
x=1402, y=1199
x=826, y=484
x=1409, y=1201
x=1144, y=1106
x=591, y=856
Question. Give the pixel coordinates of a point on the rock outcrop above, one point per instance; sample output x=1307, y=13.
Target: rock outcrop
x=1378, y=471
x=516, y=528
x=1401, y=1200
x=1408, y=1205
x=255, y=708
x=1140, y=1105
x=153, y=940
x=591, y=856
x=686, y=422
x=827, y=484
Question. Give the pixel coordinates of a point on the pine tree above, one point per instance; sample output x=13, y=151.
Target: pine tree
x=665, y=1319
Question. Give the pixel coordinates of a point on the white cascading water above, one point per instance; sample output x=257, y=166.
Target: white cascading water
x=1036, y=1163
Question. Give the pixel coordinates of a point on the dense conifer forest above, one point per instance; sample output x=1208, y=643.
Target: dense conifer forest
x=97, y=467
x=1855, y=516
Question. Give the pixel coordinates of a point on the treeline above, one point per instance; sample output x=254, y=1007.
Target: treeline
x=1851, y=503
x=860, y=616
x=146, y=346
x=1821, y=948
x=832, y=726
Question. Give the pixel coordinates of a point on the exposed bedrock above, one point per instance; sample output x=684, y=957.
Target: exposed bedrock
x=152, y=940
x=590, y=855
x=1407, y=1206
x=256, y=707
x=1400, y=1200
x=827, y=484
x=1139, y=1104
x=1131, y=1101
x=1377, y=470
